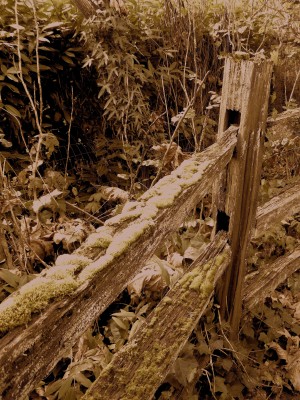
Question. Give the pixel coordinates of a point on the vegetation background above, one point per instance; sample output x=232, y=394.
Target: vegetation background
x=93, y=111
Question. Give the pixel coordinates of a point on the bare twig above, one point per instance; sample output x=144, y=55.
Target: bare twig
x=69, y=138
x=177, y=129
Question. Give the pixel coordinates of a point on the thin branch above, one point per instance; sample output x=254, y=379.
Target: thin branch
x=177, y=129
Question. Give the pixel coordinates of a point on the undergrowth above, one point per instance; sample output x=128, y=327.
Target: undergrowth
x=92, y=112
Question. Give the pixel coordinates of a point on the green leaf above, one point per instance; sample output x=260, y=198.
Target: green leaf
x=3, y=69
x=65, y=388
x=68, y=60
x=12, y=70
x=13, y=88
x=43, y=39
x=50, y=141
x=68, y=53
x=12, y=77
x=17, y=27
x=53, y=387
x=120, y=323
x=124, y=314
x=53, y=25
x=220, y=385
x=10, y=278
x=164, y=272
x=12, y=110
x=83, y=380
x=44, y=67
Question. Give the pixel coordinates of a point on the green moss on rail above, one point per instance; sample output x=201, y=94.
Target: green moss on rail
x=34, y=296
x=73, y=270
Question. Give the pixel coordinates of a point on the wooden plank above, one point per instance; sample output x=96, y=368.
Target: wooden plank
x=285, y=125
x=29, y=353
x=258, y=286
x=140, y=367
x=262, y=284
x=278, y=208
x=244, y=103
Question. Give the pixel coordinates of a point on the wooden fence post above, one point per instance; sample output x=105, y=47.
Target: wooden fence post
x=245, y=95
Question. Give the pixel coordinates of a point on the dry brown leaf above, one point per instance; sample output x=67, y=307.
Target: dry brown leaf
x=152, y=278
x=47, y=200
x=293, y=367
x=40, y=249
x=72, y=234
x=282, y=354
x=297, y=311
x=175, y=259
x=174, y=157
x=109, y=193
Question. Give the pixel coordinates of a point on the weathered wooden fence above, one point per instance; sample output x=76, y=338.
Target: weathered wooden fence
x=46, y=317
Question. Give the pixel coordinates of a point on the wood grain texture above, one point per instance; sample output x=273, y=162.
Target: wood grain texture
x=278, y=208
x=138, y=369
x=245, y=94
x=29, y=353
x=262, y=284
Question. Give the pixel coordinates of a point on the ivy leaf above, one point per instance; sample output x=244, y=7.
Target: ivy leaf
x=219, y=385
x=50, y=141
x=185, y=370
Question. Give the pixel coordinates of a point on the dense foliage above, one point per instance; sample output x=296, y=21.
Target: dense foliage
x=92, y=112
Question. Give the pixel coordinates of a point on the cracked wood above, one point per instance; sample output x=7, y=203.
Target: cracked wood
x=28, y=354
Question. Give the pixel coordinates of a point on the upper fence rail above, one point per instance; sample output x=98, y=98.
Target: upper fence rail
x=59, y=305
x=119, y=250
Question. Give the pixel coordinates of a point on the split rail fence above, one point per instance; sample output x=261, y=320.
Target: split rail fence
x=43, y=320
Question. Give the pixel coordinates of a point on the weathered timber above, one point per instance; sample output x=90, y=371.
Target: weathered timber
x=139, y=368
x=278, y=208
x=244, y=103
x=257, y=287
x=262, y=284
x=27, y=354
x=285, y=125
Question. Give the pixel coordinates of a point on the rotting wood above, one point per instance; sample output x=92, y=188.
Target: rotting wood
x=262, y=284
x=278, y=208
x=244, y=103
x=139, y=368
x=285, y=125
x=28, y=354
x=258, y=286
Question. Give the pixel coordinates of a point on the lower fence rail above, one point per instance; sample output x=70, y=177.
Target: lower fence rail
x=138, y=369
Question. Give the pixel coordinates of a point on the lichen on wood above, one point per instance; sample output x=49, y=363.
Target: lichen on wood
x=138, y=368
x=64, y=321
x=139, y=220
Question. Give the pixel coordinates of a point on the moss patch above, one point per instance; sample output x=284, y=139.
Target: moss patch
x=63, y=278
x=33, y=297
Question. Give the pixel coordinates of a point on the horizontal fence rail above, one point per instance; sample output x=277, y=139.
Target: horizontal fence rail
x=278, y=208
x=140, y=367
x=43, y=320
x=262, y=283
x=28, y=355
